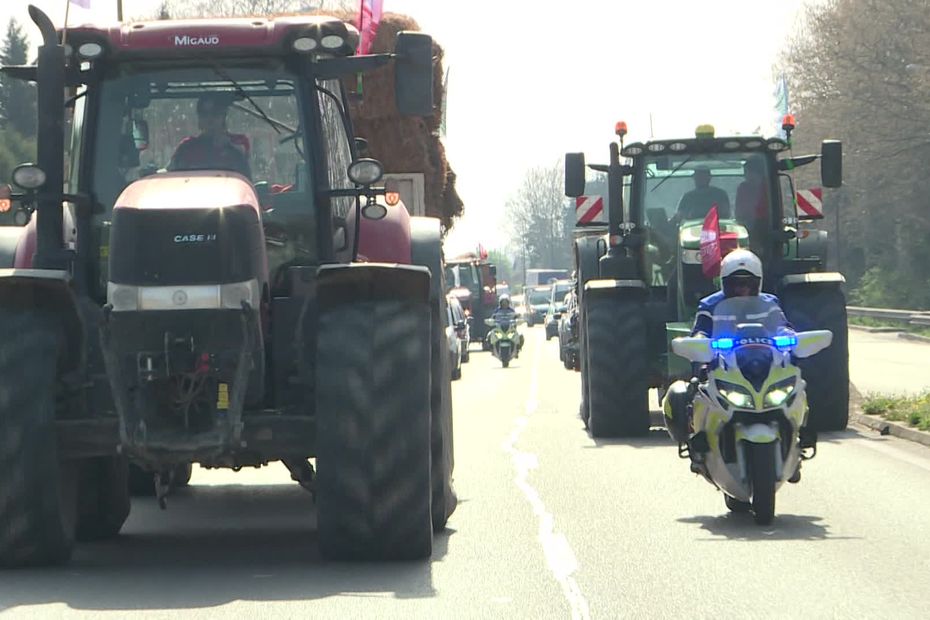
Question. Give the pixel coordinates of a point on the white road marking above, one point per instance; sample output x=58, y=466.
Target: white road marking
x=559, y=555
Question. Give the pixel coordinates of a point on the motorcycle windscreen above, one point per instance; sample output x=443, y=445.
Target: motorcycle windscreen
x=746, y=317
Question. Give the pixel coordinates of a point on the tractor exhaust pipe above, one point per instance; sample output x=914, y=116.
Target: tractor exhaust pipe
x=50, y=78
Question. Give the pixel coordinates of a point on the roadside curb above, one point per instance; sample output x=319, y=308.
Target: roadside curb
x=874, y=330
x=883, y=426
x=915, y=337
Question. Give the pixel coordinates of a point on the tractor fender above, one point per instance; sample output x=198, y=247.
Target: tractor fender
x=588, y=251
x=386, y=240
x=812, y=243
x=818, y=279
x=621, y=290
x=426, y=251
x=49, y=290
x=9, y=240
x=338, y=285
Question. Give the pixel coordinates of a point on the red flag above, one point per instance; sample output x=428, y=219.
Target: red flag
x=710, y=244
x=369, y=18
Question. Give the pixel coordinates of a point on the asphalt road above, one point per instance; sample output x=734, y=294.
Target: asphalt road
x=882, y=362
x=551, y=524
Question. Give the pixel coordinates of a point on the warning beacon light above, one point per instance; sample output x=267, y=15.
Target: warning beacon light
x=620, y=128
x=704, y=131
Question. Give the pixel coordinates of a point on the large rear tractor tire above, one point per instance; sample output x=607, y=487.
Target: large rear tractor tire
x=103, y=502
x=584, y=408
x=617, y=368
x=443, y=500
x=827, y=372
x=373, y=436
x=762, y=475
x=38, y=492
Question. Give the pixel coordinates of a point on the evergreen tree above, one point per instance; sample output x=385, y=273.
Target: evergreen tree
x=17, y=98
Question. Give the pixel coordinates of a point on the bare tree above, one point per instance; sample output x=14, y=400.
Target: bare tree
x=537, y=216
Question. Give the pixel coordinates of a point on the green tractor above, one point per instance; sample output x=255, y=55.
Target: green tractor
x=640, y=283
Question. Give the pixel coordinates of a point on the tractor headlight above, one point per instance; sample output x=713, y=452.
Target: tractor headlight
x=122, y=297
x=735, y=395
x=780, y=392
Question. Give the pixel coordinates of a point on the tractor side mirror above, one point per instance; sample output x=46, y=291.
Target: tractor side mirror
x=574, y=174
x=413, y=74
x=831, y=163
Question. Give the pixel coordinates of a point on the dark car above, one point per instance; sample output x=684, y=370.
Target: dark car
x=568, y=333
x=535, y=304
x=560, y=289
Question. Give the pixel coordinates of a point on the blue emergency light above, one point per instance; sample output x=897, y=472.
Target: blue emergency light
x=785, y=342
x=722, y=344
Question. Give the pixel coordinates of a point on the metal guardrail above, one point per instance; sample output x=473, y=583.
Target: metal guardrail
x=912, y=317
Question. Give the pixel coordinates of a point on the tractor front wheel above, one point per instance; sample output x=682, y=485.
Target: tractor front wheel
x=38, y=492
x=103, y=502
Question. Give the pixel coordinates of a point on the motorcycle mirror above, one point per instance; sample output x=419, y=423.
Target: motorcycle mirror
x=696, y=350
x=812, y=342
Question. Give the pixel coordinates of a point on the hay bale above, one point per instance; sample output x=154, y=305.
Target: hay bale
x=405, y=144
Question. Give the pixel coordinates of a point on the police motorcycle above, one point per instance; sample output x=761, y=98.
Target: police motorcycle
x=503, y=338
x=748, y=409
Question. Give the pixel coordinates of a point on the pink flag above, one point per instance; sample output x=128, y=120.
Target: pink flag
x=368, y=19
x=85, y=4
x=710, y=244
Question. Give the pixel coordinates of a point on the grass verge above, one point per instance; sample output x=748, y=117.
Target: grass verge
x=912, y=410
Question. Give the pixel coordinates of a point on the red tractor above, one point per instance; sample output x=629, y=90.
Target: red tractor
x=163, y=308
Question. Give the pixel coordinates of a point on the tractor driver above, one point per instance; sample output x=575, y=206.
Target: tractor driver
x=695, y=204
x=752, y=205
x=215, y=148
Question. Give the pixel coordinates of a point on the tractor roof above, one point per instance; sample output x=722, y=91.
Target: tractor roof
x=265, y=36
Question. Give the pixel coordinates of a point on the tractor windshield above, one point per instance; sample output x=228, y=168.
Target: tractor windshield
x=246, y=120
x=676, y=189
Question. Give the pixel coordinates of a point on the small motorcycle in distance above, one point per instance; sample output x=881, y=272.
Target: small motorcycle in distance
x=503, y=338
x=742, y=423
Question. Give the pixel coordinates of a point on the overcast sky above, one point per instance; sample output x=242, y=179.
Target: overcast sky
x=532, y=79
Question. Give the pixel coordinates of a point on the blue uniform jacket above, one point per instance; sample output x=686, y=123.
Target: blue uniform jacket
x=704, y=319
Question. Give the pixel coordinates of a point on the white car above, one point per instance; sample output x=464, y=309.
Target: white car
x=456, y=335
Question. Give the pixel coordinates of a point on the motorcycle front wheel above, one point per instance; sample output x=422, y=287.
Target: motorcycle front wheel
x=762, y=474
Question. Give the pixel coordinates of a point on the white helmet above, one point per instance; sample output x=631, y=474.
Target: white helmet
x=740, y=264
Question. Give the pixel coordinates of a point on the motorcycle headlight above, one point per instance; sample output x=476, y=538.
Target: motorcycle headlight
x=735, y=395
x=780, y=392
